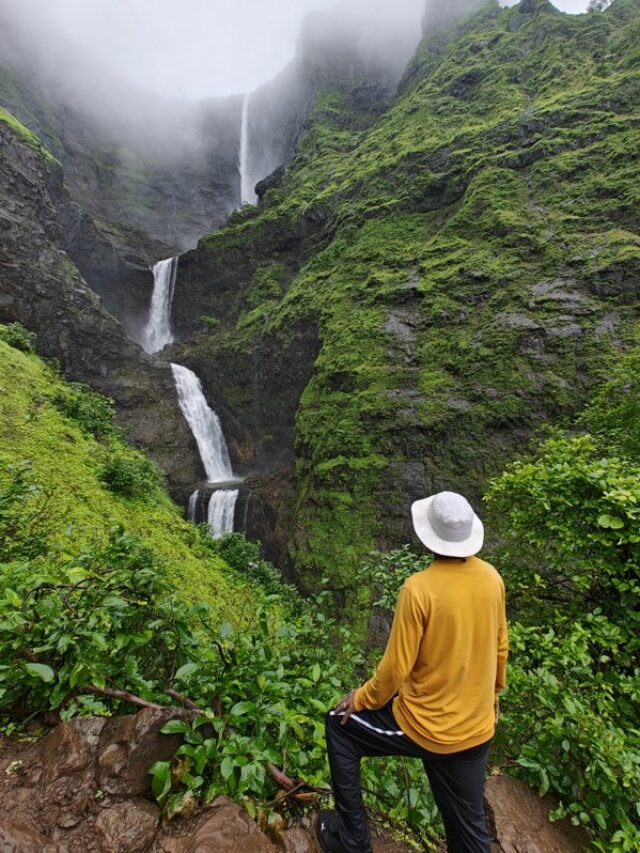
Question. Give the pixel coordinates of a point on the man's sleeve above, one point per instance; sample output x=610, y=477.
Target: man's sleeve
x=503, y=645
x=400, y=655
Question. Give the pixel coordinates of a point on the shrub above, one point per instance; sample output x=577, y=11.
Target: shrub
x=94, y=413
x=131, y=475
x=18, y=337
x=245, y=556
x=76, y=623
x=24, y=523
x=569, y=523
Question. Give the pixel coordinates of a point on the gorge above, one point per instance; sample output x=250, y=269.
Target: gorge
x=315, y=320
x=408, y=263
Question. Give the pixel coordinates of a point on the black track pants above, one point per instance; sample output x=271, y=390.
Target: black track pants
x=457, y=779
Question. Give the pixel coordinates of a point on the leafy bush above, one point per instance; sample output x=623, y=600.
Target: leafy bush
x=24, y=524
x=18, y=337
x=94, y=413
x=384, y=574
x=245, y=556
x=77, y=623
x=569, y=521
x=131, y=475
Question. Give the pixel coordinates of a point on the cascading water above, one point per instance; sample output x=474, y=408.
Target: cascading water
x=221, y=511
x=192, y=507
x=204, y=423
x=157, y=333
x=207, y=431
x=247, y=194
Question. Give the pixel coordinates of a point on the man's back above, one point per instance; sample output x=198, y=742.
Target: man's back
x=446, y=655
x=448, y=700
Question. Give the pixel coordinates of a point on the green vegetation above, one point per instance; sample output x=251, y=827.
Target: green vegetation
x=27, y=136
x=466, y=263
x=94, y=483
x=568, y=518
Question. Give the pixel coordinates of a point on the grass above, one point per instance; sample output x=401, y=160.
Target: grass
x=27, y=136
x=69, y=464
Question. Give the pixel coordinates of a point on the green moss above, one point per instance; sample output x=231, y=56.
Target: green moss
x=27, y=136
x=70, y=463
x=476, y=248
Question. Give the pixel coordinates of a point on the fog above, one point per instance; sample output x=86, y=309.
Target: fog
x=194, y=48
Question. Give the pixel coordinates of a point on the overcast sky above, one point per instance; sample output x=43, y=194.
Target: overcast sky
x=195, y=48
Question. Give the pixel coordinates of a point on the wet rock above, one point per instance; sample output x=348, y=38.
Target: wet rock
x=519, y=820
x=128, y=827
x=226, y=828
x=298, y=841
x=16, y=836
x=129, y=746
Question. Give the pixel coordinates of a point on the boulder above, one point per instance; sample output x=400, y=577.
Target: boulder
x=519, y=822
x=296, y=840
x=226, y=828
x=129, y=746
x=128, y=827
x=16, y=836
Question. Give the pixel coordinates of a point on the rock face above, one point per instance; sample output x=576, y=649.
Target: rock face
x=85, y=788
x=519, y=820
x=462, y=283
x=42, y=288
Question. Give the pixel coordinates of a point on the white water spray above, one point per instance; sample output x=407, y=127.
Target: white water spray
x=193, y=506
x=205, y=425
x=207, y=431
x=247, y=195
x=221, y=511
x=157, y=333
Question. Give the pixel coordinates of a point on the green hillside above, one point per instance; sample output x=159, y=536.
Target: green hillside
x=61, y=437
x=468, y=262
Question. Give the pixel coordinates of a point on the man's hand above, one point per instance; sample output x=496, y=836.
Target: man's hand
x=347, y=705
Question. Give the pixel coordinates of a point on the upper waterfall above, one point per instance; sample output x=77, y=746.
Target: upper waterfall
x=205, y=425
x=247, y=194
x=157, y=333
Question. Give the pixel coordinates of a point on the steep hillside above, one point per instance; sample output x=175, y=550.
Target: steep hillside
x=418, y=296
x=60, y=439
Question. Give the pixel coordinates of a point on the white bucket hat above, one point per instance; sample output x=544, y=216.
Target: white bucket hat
x=447, y=525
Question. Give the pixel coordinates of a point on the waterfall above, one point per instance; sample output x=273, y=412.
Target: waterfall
x=222, y=506
x=247, y=195
x=193, y=506
x=205, y=425
x=157, y=332
x=207, y=431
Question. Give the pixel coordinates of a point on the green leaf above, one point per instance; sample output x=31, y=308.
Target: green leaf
x=225, y=629
x=185, y=671
x=610, y=521
x=226, y=767
x=161, y=779
x=173, y=727
x=316, y=672
x=41, y=670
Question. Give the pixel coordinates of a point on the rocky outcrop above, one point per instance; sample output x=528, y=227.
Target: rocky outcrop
x=42, y=288
x=519, y=822
x=84, y=788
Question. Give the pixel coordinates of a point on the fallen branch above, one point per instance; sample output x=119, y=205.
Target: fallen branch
x=125, y=696
x=188, y=703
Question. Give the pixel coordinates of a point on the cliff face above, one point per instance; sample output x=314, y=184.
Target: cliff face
x=41, y=287
x=428, y=278
x=468, y=262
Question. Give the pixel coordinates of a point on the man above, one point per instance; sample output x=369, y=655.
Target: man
x=445, y=664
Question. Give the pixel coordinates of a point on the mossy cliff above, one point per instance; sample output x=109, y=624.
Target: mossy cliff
x=418, y=291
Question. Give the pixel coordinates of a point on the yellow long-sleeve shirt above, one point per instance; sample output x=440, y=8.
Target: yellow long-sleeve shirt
x=446, y=656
